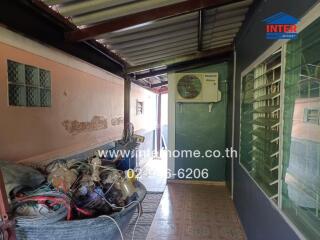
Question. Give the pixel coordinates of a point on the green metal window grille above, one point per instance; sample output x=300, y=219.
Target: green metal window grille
x=28, y=85
x=260, y=124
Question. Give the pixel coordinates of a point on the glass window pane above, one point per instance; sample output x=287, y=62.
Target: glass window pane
x=301, y=129
x=28, y=85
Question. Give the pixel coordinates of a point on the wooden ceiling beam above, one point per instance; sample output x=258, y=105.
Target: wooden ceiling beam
x=143, y=17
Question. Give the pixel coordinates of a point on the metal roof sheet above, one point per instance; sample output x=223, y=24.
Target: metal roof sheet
x=158, y=40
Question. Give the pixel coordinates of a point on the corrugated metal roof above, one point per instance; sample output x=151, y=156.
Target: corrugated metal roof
x=157, y=40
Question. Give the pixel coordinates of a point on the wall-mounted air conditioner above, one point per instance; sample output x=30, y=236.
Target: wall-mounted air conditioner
x=197, y=87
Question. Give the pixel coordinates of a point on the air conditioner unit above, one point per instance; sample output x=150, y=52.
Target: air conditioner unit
x=197, y=87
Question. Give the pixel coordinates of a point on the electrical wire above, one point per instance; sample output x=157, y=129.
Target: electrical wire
x=106, y=168
x=113, y=205
x=109, y=188
x=115, y=222
x=138, y=218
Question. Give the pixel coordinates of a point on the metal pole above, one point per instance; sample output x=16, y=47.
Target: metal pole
x=233, y=118
x=159, y=124
x=127, y=90
x=200, y=29
x=6, y=226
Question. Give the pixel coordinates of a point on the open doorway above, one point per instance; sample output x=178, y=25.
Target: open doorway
x=154, y=173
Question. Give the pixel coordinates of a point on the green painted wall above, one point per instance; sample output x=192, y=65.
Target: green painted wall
x=199, y=129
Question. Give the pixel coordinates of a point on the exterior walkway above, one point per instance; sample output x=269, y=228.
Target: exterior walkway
x=196, y=212
x=154, y=174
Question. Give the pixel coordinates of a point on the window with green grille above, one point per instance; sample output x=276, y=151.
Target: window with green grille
x=28, y=85
x=280, y=128
x=260, y=123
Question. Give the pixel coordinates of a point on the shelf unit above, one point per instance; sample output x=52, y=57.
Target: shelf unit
x=260, y=124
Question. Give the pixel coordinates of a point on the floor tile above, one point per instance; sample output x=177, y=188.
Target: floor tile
x=195, y=212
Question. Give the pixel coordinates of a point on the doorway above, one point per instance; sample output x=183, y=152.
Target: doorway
x=153, y=174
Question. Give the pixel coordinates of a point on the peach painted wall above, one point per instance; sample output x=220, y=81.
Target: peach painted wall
x=30, y=134
x=148, y=120
x=80, y=91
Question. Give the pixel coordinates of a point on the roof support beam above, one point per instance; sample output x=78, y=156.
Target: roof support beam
x=68, y=26
x=36, y=23
x=185, y=66
x=142, y=17
x=159, y=84
x=185, y=58
x=200, y=29
x=177, y=54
